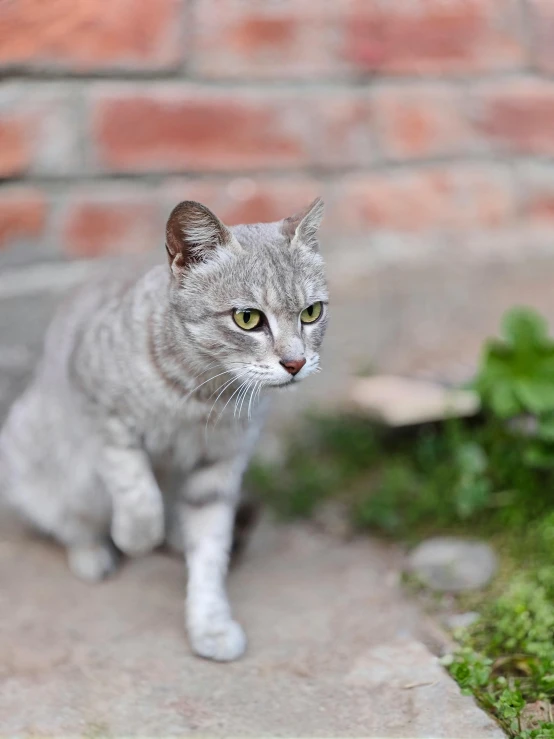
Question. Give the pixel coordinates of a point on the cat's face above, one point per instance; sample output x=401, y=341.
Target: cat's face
x=254, y=305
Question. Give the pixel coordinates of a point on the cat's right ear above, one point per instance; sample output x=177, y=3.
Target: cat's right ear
x=303, y=227
x=192, y=232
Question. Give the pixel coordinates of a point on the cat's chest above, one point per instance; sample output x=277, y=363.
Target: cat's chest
x=183, y=436
x=166, y=425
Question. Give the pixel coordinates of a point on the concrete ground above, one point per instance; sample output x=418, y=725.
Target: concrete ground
x=335, y=648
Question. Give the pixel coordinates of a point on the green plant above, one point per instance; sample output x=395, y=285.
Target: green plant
x=472, y=488
x=507, y=657
x=515, y=378
x=516, y=370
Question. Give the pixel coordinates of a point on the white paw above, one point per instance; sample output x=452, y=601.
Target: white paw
x=92, y=563
x=138, y=532
x=223, y=641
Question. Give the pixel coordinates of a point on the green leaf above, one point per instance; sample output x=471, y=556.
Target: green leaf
x=536, y=395
x=472, y=459
x=540, y=456
x=472, y=496
x=546, y=428
x=503, y=400
x=517, y=373
x=524, y=326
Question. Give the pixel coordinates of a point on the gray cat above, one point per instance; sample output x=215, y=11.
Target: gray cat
x=145, y=408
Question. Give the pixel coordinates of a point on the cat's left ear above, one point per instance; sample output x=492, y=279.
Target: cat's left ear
x=192, y=233
x=303, y=227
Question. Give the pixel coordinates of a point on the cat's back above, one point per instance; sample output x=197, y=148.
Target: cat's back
x=96, y=301
x=54, y=394
x=42, y=411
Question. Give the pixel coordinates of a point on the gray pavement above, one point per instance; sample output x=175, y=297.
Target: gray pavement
x=335, y=648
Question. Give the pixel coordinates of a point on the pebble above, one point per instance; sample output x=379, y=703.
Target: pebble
x=453, y=565
x=403, y=401
x=461, y=620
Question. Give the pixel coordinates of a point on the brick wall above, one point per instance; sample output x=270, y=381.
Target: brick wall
x=427, y=125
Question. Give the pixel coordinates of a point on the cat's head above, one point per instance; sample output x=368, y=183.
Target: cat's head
x=250, y=300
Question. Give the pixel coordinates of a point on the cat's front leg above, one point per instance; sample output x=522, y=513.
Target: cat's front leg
x=137, y=504
x=208, y=532
x=208, y=502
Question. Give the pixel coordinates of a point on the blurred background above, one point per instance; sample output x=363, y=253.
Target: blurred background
x=426, y=125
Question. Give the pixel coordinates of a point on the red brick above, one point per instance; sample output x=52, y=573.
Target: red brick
x=542, y=29
x=537, y=193
x=15, y=149
x=245, y=200
x=104, y=221
x=257, y=40
x=426, y=200
x=486, y=195
x=179, y=129
x=23, y=213
x=417, y=122
x=518, y=116
x=342, y=129
x=81, y=35
x=435, y=36
x=402, y=201
x=38, y=133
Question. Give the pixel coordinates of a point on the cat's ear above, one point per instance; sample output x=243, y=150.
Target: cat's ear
x=192, y=232
x=303, y=226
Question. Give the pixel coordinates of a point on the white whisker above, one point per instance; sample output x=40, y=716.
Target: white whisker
x=211, y=365
x=241, y=395
x=194, y=389
x=219, y=390
x=227, y=403
x=258, y=399
x=250, y=384
x=226, y=384
x=252, y=394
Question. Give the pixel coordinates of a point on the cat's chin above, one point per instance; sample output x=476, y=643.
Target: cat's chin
x=284, y=383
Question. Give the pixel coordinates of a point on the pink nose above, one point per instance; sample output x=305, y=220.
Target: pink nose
x=293, y=366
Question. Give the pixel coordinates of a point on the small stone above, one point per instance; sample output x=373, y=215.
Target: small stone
x=461, y=620
x=448, y=564
x=400, y=401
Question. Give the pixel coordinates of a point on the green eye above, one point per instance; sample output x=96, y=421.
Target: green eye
x=311, y=313
x=247, y=319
